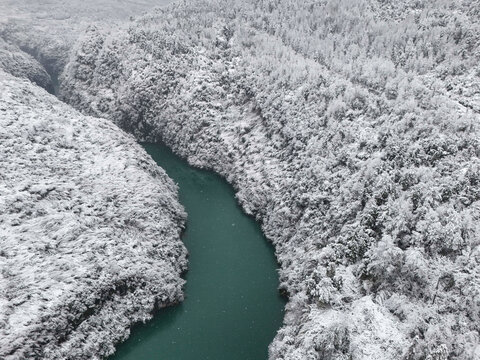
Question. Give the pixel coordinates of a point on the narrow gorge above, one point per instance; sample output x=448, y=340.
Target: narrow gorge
x=349, y=131
x=232, y=308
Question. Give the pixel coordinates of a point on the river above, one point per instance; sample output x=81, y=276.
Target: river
x=232, y=308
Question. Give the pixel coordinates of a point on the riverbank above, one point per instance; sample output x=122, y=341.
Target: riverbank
x=349, y=131
x=232, y=308
x=89, y=230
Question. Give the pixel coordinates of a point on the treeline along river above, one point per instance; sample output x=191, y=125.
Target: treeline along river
x=232, y=308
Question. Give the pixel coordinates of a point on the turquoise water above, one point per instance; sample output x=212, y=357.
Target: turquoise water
x=232, y=308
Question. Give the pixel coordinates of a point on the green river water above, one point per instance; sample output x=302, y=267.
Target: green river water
x=232, y=308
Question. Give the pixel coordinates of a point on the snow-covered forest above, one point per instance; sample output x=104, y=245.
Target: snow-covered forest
x=350, y=129
x=89, y=230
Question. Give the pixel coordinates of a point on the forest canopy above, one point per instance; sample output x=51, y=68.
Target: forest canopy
x=350, y=130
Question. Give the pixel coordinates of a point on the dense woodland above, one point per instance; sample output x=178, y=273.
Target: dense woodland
x=20, y=64
x=350, y=130
x=89, y=229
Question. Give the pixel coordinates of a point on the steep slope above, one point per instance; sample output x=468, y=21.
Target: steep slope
x=350, y=129
x=46, y=29
x=18, y=63
x=89, y=230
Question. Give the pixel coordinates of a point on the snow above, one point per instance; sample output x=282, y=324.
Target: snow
x=88, y=224
x=345, y=131
x=18, y=63
x=349, y=129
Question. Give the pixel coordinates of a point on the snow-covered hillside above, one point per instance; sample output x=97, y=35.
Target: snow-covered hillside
x=349, y=128
x=20, y=64
x=89, y=230
x=47, y=29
